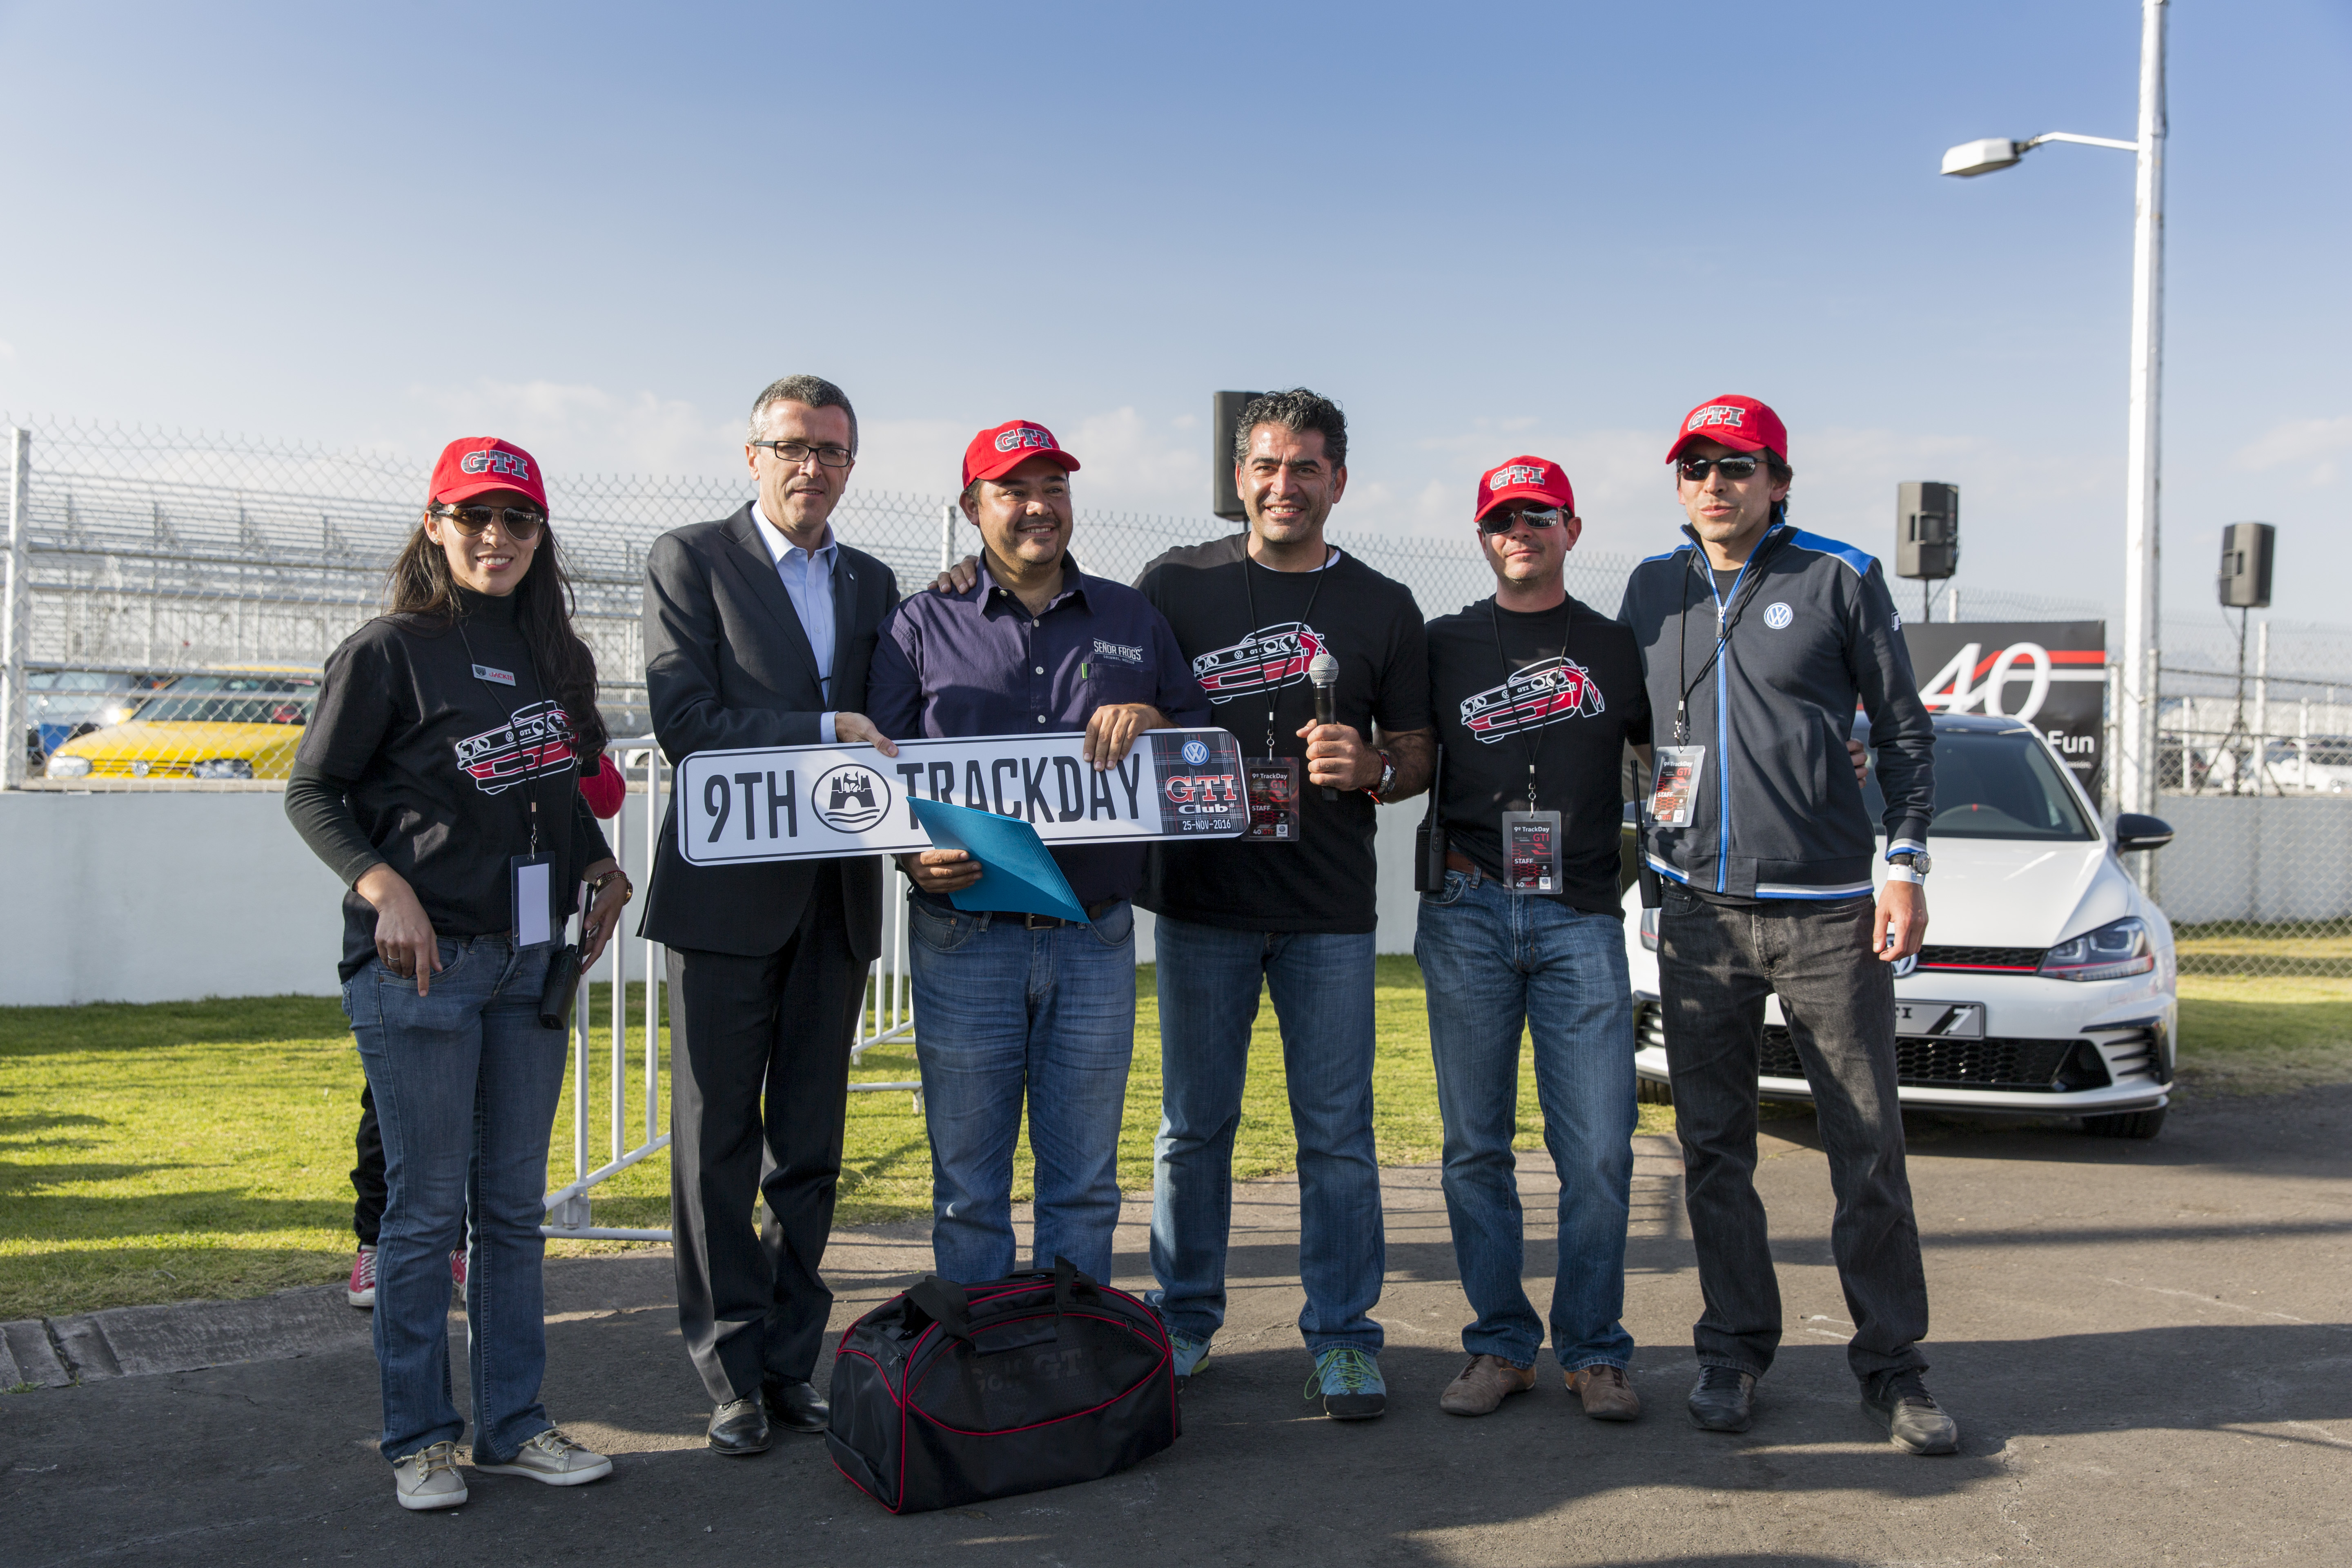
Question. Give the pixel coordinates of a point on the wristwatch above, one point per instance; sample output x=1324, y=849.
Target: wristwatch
x=1388, y=777
x=1919, y=860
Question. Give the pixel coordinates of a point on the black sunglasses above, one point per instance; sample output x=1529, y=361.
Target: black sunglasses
x=1740, y=468
x=521, y=524
x=1533, y=517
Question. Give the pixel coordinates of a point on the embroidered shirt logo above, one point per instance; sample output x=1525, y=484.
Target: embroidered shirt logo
x=1715, y=413
x=1776, y=614
x=1118, y=652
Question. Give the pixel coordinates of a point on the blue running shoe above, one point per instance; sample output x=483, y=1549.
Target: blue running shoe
x=1190, y=1353
x=1350, y=1381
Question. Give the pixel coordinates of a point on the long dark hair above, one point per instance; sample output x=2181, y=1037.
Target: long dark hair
x=419, y=585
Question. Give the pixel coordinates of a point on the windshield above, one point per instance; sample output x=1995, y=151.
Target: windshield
x=1992, y=785
x=231, y=699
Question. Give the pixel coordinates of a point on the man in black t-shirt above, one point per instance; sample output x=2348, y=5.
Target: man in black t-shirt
x=1537, y=694
x=1290, y=908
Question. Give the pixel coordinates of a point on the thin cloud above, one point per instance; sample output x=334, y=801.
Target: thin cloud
x=2319, y=442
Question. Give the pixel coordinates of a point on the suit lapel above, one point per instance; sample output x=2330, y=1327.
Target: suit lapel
x=751, y=562
x=845, y=609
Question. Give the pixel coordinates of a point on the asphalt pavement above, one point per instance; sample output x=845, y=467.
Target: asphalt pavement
x=2148, y=1346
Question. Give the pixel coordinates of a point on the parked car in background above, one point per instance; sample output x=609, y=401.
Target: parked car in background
x=2311, y=764
x=60, y=704
x=220, y=725
x=2047, y=984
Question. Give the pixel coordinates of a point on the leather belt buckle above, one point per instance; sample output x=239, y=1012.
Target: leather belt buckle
x=1043, y=922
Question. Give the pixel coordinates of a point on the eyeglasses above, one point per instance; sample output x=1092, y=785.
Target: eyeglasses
x=1533, y=517
x=520, y=523
x=1693, y=470
x=797, y=452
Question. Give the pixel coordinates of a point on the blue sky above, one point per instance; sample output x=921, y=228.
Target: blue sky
x=1486, y=229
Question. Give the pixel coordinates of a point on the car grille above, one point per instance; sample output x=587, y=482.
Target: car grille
x=125, y=768
x=1999, y=960
x=2019, y=1065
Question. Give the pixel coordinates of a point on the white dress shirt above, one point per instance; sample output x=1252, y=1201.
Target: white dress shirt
x=807, y=576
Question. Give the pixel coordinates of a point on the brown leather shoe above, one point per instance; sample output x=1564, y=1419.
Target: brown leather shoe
x=1482, y=1385
x=1607, y=1396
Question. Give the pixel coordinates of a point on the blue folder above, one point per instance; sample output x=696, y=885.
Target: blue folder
x=1017, y=872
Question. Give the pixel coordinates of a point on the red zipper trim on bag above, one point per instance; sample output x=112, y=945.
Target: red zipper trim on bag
x=1166, y=1359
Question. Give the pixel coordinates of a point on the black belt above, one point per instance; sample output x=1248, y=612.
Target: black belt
x=1048, y=923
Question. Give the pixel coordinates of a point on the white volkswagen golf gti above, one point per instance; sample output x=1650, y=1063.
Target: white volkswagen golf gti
x=2046, y=986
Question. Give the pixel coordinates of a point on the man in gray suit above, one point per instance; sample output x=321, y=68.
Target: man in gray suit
x=759, y=630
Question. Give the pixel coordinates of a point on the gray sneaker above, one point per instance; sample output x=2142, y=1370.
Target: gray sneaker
x=1189, y=1353
x=1914, y=1423
x=428, y=1478
x=553, y=1458
x=1350, y=1381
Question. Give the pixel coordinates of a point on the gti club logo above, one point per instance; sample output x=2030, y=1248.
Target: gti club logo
x=1715, y=414
x=1542, y=693
x=533, y=740
x=1211, y=793
x=1022, y=436
x=850, y=798
x=1267, y=660
x=513, y=464
x=1516, y=474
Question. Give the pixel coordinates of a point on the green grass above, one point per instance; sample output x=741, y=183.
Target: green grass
x=203, y=1150
x=2271, y=1036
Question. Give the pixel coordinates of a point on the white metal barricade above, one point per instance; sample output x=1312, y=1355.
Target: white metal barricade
x=887, y=1013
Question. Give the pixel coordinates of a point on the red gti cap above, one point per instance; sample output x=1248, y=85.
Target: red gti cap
x=1001, y=448
x=1741, y=424
x=475, y=465
x=1536, y=479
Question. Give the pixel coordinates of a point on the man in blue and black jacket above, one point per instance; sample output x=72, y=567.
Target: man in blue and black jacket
x=1759, y=642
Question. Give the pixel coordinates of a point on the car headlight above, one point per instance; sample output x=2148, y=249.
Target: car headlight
x=67, y=767
x=222, y=768
x=1650, y=930
x=2110, y=952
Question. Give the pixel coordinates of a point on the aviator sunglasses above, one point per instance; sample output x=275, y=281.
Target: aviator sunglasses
x=1693, y=470
x=521, y=524
x=1533, y=517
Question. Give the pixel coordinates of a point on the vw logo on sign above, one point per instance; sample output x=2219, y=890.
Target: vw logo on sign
x=1195, y=752
x=1776, y=614
x=851, y=798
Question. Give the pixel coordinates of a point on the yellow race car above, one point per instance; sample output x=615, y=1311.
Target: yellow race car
x=240, y=724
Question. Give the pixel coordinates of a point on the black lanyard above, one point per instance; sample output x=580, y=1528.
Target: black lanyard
x=1249, y=591
x=531, y=774
x=1725, y=617
x=1533, y=747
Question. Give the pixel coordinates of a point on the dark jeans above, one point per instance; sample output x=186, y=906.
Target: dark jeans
x=1715, y=965
x=367, y=1176
x=758, y=1083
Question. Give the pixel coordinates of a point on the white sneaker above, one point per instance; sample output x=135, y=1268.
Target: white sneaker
x=360, y=1291
x=429, y=1477
x=553, y=1458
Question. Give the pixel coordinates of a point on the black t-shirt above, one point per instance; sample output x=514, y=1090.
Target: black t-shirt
x=441, y=767
x=1566, y=686
x=1370, y=624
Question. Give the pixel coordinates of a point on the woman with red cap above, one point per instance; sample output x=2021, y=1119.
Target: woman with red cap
x=438, y=778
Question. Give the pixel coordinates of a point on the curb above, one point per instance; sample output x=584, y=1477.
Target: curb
x=181, y=1336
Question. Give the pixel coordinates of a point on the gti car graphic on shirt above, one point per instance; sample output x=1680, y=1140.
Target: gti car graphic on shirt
x=1268, y=659
x=536, y=738
x=1543, y=693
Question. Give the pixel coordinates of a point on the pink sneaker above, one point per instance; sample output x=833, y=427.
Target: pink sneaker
x=457, y=1274
x=360, y=1291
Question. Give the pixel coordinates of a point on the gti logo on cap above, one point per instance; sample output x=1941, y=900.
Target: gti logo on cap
x=1515, y=474
x=1022, y=436
x=490, y=460
x=1715, y=413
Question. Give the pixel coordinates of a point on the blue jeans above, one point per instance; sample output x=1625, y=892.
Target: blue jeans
x=1322, y=983
x=1490, y=961
x=1004, y=1012
x=465, y=1083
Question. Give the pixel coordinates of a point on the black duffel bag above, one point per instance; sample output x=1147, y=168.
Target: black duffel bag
x=951, y=1394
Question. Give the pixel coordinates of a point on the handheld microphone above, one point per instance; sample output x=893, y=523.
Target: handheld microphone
x=1323, y=673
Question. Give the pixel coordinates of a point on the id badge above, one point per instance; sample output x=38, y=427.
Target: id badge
x=1677, y=784
x=534, y=899
x=1274, y=790
x=1531, y=851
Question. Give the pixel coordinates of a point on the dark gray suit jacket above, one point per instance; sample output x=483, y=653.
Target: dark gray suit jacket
x=729, y=665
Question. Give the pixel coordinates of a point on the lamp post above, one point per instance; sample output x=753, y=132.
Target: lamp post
x=2135, y=771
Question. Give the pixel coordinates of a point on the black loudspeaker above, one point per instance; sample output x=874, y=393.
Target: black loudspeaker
x=1224, y=419
x=1926, y=529
x=2246, y=551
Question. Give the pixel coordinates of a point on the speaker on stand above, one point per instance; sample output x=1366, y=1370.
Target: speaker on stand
x=1926, y=535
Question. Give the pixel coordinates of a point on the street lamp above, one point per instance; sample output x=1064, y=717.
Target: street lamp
x=2136, y=766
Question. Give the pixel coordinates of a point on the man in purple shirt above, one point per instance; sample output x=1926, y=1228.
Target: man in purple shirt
x=1010, y=1006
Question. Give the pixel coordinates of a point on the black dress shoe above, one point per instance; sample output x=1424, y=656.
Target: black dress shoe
x=1723, y=1399
x=795, y=1404
x=739, y=1427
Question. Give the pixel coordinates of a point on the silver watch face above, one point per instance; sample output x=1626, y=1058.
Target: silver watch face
x=1919, y=860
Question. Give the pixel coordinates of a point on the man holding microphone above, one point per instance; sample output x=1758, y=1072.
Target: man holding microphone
x=1760, y=642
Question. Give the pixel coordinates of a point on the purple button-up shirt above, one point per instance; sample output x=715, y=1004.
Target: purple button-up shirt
x=978, y=663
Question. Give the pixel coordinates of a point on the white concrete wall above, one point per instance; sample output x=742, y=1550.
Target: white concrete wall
x=2255, y=857
x=169, y=897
